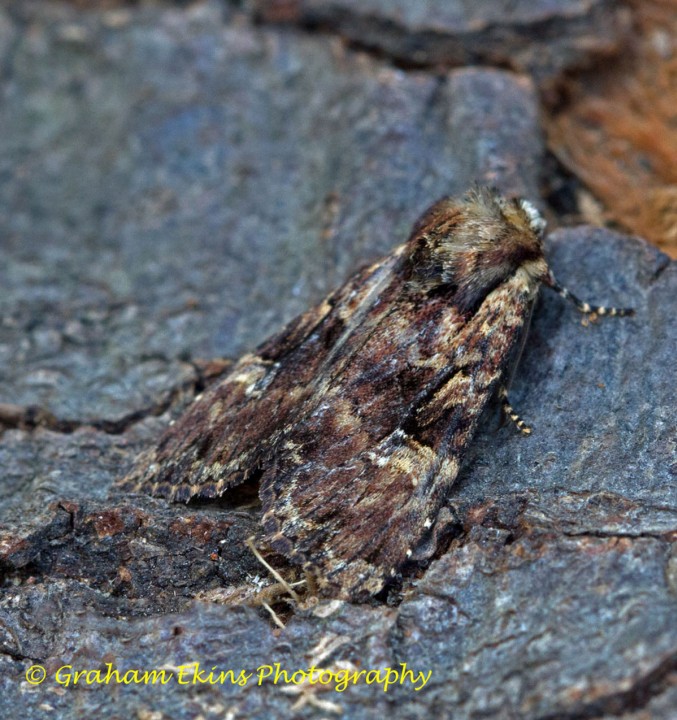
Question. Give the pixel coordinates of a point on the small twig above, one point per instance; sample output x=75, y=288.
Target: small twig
x=271, y=570
x=274, y=615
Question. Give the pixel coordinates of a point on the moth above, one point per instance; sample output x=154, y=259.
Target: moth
x=355, y=417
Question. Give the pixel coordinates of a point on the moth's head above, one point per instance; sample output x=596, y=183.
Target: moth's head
x=474, y=244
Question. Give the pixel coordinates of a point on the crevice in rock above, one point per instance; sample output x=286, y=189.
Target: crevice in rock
x=661, y=267
x=367, y=23
x=16, y=654
x=667, y=535
x=493, y=43
x=644, y=689
x=561, y=189
x=117, y=4
x=31, y=417
x=7, y=61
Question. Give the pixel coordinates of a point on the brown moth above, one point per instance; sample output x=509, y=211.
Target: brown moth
x=355, y=417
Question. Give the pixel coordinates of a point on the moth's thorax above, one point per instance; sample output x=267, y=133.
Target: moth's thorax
x=472, y=246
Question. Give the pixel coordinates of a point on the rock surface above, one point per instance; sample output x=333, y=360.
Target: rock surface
x=541, y=37
x=175, y=184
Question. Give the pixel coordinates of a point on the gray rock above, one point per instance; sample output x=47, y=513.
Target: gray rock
x=541, y=37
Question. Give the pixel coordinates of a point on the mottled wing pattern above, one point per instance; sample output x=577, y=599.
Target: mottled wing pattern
x=229, y=433
x=357, y=485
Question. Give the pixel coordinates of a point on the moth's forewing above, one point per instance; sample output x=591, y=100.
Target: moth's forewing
x=358, y=482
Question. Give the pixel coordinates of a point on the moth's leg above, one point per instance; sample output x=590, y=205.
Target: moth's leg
x=585, y=307
x=513, y=362
x=509, y=411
